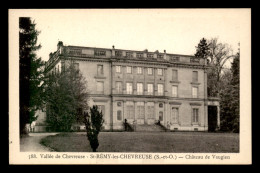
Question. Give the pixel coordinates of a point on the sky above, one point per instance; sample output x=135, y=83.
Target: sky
x=174, y=30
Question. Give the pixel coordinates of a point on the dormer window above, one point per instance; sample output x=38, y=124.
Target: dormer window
x=150, y=55
x=139, y=55
x=160, y=56
x=129, y=54
x=118, y=53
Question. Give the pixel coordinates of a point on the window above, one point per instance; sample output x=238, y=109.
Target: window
x=139, y=70
x=160, y=71
x=129, y=88
x=118, y=69
x=175, y=114
x=195, y=115
x=174, y=75
x=160, y=116
x=194, y=92
x=119, y=87
x=128, y=69
x=194, y=76
x=119, y=115
x=101, y=108
x=139, y=55
x=139, y=88
x=129, y=110
x=100, y=87
x=150, y=71
x=140, y=110
x=150, y=89
x=76, y=67
x=150, y=110
x=100, y=70
x=174, y=91
x=129, y=54
x=150, y=55
x=160, y=89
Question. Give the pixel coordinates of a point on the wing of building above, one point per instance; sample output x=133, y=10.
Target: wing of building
x=143, y=86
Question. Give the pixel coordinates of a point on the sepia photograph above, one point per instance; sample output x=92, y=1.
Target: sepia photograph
x=129, y=86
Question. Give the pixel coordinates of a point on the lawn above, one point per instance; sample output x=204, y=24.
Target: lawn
x=175, y=142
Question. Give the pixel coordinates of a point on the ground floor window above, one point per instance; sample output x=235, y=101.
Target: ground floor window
x=195, y=115
x=150, y=110
x=102, y=109
x=161, y=116
x=140, y=110
x=175, y=114
x=129, y=110
x=119, y=115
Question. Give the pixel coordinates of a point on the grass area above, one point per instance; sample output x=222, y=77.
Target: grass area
x=176, y=142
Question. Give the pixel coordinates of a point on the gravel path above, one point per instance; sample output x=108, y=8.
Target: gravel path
x=32, y=143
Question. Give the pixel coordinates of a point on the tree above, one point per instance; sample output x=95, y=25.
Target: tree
x=219, y=54
x=93, y=124
x=202, y=50
x=31, y=73
x=66, y=98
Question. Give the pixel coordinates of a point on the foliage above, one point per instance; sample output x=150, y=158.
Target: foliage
x=93, y=124
x=31, y=73
x=223, y=82
x=202, y=49
x=66, y=97
x=230, y=99
x=219, y=54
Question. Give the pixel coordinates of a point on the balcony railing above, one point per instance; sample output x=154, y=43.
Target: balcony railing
x=174, y=59
x=194, y=60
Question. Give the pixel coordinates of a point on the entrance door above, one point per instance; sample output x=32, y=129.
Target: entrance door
x=212, y=118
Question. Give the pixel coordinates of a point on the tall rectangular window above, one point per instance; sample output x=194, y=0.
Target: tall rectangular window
x=119, y=115
x=139, y=88
x=150, y=110
x=101, y=108
x=100, y=87
x=118, y=69
x=129, y=110
x=174, y=91
x=194, y=92
x=150, y=71
x=139, y=70
x=128, y=69
x=194, y=76
x=161, y=116
x=175, y=114
x=160, y=71
x=76, y=67
x=174, y=75
x=195, y=115
x=119, y=87
x=150, y=89
x=140, y=110
x=160, y=89
x=100, y=70
x=129, y=88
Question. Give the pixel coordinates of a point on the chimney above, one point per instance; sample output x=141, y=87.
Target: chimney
x=113, y=51
x=60, y=44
